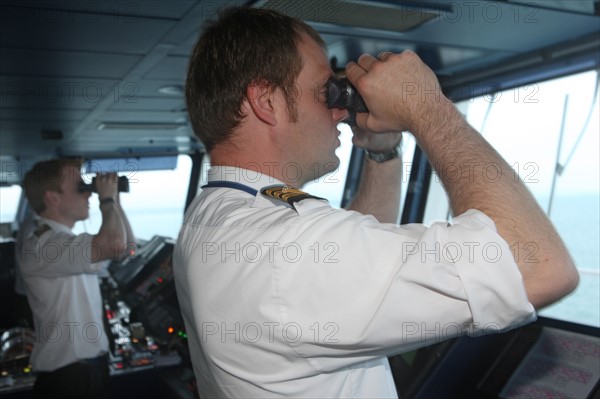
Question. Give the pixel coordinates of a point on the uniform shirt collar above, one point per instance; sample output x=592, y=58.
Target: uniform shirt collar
x=54, y=225
x=250, y=178
x=247, y=177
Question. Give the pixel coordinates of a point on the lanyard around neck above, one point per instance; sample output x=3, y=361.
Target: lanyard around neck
x=231, y=184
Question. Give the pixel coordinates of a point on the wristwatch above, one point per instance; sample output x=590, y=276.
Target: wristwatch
x=384, y=156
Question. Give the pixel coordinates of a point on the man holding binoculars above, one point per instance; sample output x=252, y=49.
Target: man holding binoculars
x=306, y=300
x=60, y=271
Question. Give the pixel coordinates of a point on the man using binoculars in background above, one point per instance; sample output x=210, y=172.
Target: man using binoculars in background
x=60, y=271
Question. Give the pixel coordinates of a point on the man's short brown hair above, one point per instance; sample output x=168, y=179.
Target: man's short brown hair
x=246, y=45
x=46, y=176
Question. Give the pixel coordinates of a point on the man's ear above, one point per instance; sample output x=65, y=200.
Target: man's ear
x=261, y=99
x=51, y=199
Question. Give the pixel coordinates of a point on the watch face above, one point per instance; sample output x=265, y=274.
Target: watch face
x=380, y=157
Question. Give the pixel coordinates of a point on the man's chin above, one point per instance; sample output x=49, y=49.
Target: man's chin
x=331, y=166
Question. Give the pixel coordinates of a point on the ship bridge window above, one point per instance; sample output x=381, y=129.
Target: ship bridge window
x=156, y=199
x=331, y=186
x=549, y=133
x=9, y=198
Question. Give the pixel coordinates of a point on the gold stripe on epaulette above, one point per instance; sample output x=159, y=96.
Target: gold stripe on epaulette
x=287, y=194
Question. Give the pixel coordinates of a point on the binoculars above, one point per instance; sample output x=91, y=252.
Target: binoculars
x=123, y=185
x=341, y=94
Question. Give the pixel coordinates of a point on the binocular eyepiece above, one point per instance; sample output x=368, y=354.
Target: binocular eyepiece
x=123, y=185
x=341, y=94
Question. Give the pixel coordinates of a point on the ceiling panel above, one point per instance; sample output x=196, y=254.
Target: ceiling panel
x=169, y=68
x=171, y=9
x=69, y=65
x=147, y=116
x=68, y=30
x=149, y=104
x=72, y=64
x=70, y=114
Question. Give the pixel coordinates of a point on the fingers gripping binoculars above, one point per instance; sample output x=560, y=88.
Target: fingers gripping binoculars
x=341, y=94
x=123, y=185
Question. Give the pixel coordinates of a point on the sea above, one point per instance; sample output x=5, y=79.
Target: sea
x=577, y=219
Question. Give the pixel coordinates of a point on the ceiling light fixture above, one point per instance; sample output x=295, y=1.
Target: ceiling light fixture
x=171, y=90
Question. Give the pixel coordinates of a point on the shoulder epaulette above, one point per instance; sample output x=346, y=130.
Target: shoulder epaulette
x=41, y=230
x=287, y=194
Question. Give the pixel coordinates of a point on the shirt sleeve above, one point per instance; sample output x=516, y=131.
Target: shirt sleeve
x=59, y=254
x=379, y=289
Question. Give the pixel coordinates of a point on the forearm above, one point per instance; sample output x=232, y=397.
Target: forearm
x=476, y=176
x=130, y=237
x=112, y=236
x=463, y=159
x=379, y=190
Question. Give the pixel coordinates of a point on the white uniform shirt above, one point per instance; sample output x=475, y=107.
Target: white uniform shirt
x=307, y=301
x=64, y=295
x=25, y=230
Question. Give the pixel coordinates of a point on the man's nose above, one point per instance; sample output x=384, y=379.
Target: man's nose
x=339, y=114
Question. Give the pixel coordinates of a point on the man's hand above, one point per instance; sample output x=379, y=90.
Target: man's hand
x=399, y=90
x=107, y=185
x=111, y=240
